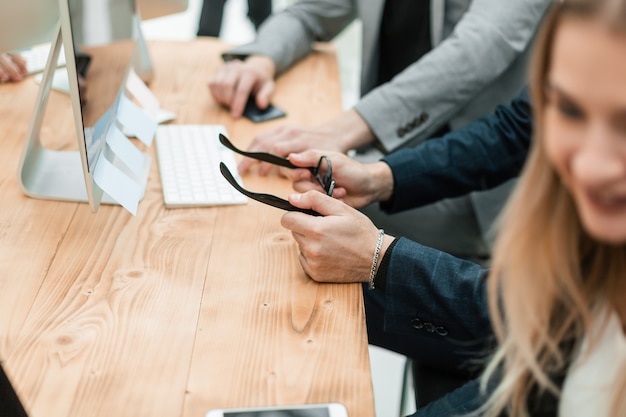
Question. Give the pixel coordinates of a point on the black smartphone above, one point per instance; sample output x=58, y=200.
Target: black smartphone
x=254, y=113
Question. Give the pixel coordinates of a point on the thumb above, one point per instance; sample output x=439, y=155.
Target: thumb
x=320, y=202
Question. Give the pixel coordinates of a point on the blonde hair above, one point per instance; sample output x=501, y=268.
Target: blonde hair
x=547, y=272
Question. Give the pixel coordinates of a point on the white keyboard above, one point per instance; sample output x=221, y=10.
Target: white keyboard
x=189, y=157
x=37, y=56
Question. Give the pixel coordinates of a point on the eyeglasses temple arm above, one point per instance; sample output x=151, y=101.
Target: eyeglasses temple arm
x=263, y=198
x=262, y=156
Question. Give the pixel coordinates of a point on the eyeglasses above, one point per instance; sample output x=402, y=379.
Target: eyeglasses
x=268, y=199
x=323, y=172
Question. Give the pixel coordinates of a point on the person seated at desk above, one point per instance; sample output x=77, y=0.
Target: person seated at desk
x=427, y=66
x=12, y=67
x=555, y=294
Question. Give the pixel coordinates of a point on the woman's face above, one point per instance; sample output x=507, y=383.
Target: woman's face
x=585, y=123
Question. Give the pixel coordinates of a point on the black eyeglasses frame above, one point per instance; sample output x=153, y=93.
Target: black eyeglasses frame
x=268, y=199
x=326, y=180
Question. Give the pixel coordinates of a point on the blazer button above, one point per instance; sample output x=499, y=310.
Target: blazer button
x=423, y=117
x=441, y=331
x=417, y=323
x=429, y=327
x=401, y=132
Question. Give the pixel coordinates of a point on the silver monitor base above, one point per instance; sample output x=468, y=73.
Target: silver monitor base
x=58, y=175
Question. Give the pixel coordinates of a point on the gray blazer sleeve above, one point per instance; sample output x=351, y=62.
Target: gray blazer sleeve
x=485, y=42
x=288, y=36
x=479, y=156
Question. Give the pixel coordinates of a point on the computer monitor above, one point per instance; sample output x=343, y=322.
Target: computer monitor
x=105, y=159
x=26, y=23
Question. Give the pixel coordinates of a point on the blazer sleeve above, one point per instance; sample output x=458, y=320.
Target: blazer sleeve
x=288, y=36
x=428, y=289
x=479, y=156
x=485, y=42
x=437, y=288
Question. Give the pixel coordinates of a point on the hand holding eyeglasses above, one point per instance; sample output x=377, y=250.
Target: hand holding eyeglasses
x=359, y=184
x=328, y=252
x=322, y=172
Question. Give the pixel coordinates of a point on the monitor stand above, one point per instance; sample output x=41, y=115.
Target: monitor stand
x=142, y=62
x=62, y=175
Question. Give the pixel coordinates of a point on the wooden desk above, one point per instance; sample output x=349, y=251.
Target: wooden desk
x=172, y=312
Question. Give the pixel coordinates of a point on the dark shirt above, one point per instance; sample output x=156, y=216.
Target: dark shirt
x=402, y=41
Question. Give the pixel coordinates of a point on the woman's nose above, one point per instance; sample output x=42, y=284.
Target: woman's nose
x=599, y=160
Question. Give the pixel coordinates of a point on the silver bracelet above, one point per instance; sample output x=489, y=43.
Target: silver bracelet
x=379, y=244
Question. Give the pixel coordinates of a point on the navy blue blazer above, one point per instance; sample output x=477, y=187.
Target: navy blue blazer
x=479, y=156
x=434, y=306
x=435, y=309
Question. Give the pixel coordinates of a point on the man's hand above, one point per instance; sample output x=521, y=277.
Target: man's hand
x=12, y=67
x=338, y=247
x=237, y=80
x=345, y=132
x=357, y=184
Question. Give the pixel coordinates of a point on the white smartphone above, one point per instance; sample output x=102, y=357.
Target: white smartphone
x=305, y=410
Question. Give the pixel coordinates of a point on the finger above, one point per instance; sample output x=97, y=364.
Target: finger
x=265, y=168
x=264, y=95
x=303, y=186
x=245, y=164
x=241, y=95
x=305, y=265
x=299, y=239
x=295, y=174
x=10, y=70
x=288, y=145
x=228, y=83
x=20, y=63
x=300, y=224
x=257, y=145
x=306, y=158
x=320, y=202
x=14, y=73
x=340, y=193
x=217, y=86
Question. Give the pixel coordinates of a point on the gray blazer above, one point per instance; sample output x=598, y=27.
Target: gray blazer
x=478, y=60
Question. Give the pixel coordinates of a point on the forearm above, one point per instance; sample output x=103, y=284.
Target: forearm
x=288, y=36
x=350, y=130
x=381, y=178
x=479, y=156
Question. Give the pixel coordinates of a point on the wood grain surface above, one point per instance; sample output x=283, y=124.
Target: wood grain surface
x=171, y=312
